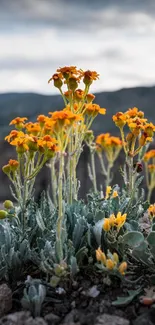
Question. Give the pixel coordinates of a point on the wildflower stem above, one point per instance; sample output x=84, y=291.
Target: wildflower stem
x=102, y=163
x=92, y=155
x=131, y=175
x=60, y=198
x=149, y=193
x=53, y=181
x=123, y=140
x=70, y=174
x=65, y=101
x=108, y=178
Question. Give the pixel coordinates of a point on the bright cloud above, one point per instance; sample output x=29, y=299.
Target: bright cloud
x=36, y=39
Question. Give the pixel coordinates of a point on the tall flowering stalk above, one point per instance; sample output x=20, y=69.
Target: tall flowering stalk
x=140, y=133
x=149, y=161
x=111, y=147
x=33, y=150
x=80, y=103
x=89, y=139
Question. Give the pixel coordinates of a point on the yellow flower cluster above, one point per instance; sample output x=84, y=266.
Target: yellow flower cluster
x=109, y=144
x=139, y=129
x=111, y=262
x=11, y=167
x=151, y=210
x=110, y=193
x=149, y=155
x=149, y=160
x=72, y=76
x=114, y=222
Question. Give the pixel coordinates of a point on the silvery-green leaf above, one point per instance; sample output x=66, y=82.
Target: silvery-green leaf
x=73, y=266
x=40, y=221
x=97, y=230
x=133, y=238
x=151, y=238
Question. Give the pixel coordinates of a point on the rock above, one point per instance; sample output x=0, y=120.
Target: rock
x=21, y=318
x=52, y=319
x=107, y=319
x=5, y=299
x=71, y=318
x=147, y=318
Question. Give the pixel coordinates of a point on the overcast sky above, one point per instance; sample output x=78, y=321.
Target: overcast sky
x=114, y=37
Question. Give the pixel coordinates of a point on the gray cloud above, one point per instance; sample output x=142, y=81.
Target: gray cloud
x=74, y=13
x=113, y=37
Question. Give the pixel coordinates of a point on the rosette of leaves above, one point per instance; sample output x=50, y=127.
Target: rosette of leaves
x=14, y=252
x=34, y=296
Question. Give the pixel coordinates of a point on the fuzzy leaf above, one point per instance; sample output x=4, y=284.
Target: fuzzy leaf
x=151, y=238
x=40, y=221
x=133, y=238
x=97, y=230
x=78, y=233
x=73, y=266
x=124, y=301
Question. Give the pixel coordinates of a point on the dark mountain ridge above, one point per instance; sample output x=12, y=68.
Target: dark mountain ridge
x=32, y=104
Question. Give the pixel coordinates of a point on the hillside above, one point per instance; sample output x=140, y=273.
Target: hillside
x=30, y=105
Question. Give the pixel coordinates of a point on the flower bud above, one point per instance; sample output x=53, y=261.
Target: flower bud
x=8, y=204
x=115, y=258
x=110, y=264
x=90, y=98
x=6, y=169
x=13, y=165
x=138, y=167
x=3, y=214
x=106, y=224
x=72, y=83
x=57, y=80
x=122, y=268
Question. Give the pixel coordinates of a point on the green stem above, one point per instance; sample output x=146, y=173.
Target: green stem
x=108, y=180
x=53, y=181
x=60, y=198
x=65, y=101
x=92, y=155
x=123, y=140
x=70, y=174
x=102, y=163
x=149, y=193
x=131, y=183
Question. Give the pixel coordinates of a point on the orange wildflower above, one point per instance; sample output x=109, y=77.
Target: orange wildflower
x=21, y=144
x=120, y=119
x=13, y=165
x=134, y=112
x=94, y=109
x=69, y=71
x=149, y=129
x=151, y=210
x=149, y=155
x=14, y=134
x=41, y=119
x=89, y=77
x=33, y=128
x=18, y=122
